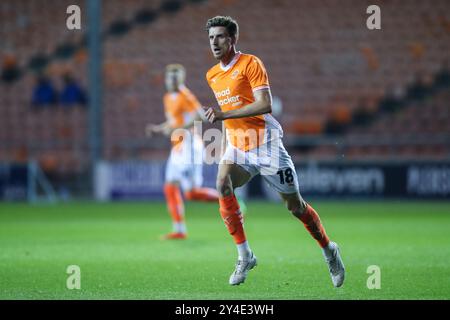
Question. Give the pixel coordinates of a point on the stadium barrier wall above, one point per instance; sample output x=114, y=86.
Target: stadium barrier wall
x=14, y=181
x=25, y=182
x=422, y=180
x=139, y=180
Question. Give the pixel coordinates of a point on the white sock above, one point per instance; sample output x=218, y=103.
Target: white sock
x=244, y=251
x=328, y=250
x=179, y=227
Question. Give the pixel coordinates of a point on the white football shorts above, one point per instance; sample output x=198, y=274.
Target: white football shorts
x=270, y=160
x=185, y=164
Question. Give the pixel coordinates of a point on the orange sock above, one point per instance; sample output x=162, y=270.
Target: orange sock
x=312, y=223
x=231, y=215
x=202, y=194
x=174, y=202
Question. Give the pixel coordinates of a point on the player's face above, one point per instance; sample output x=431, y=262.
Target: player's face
x=220, y=42
x=173, y=80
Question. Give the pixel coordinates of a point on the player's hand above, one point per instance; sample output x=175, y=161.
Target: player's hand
x=167, y=131
x=150, y=130
x=214, y=115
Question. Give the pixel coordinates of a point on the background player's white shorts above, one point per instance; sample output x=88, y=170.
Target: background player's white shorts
x=270, y=160
x=185, y=164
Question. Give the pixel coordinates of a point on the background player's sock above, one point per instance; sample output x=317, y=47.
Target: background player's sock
x=312, y=223
x=202, y=194
x=175, y=206
x=231, y=215
x=179, y=227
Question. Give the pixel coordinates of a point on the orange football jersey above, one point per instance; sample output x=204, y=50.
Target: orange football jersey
x=233, y=86
x=180, y=107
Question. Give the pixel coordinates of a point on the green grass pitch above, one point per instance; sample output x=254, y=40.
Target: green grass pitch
x=120, y=256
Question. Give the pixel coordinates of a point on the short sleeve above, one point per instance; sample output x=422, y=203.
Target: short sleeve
x=257, y=75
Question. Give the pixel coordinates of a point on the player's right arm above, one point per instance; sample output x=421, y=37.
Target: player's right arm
x=261, y=105
x=197, y=115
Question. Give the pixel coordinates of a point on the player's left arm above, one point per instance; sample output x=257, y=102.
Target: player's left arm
x=196, y=116
x=261, y=105
x=152, y=128
x=166, y=128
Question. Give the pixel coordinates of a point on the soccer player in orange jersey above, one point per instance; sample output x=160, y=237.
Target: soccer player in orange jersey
x=253, y=145
x=184, y=166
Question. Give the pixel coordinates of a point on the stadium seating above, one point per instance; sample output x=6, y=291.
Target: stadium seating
x=322, y=62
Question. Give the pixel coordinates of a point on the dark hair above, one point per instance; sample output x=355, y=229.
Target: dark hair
x=224, y=21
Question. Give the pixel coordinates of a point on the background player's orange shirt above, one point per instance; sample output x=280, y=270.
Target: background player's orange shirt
x=180, y=107
x=233, y=86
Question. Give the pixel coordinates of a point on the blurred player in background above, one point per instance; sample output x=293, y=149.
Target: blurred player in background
x=182, y=109
x=241, y=86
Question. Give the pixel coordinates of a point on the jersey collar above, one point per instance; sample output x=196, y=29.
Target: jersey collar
x=232, y=62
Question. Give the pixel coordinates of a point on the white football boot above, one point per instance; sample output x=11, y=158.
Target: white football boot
x=335, y=265
x=242, y=269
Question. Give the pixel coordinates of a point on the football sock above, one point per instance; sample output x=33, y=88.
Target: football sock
x=175, y=206
x=202, y=194
x=179, y=227
x=328, y=250
x=244, y=251
x=312, y=223
x=231, y=215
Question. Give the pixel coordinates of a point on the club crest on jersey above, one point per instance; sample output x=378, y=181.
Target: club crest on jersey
x=234, y=74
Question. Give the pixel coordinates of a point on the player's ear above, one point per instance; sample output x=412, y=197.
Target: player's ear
x=233, y=39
